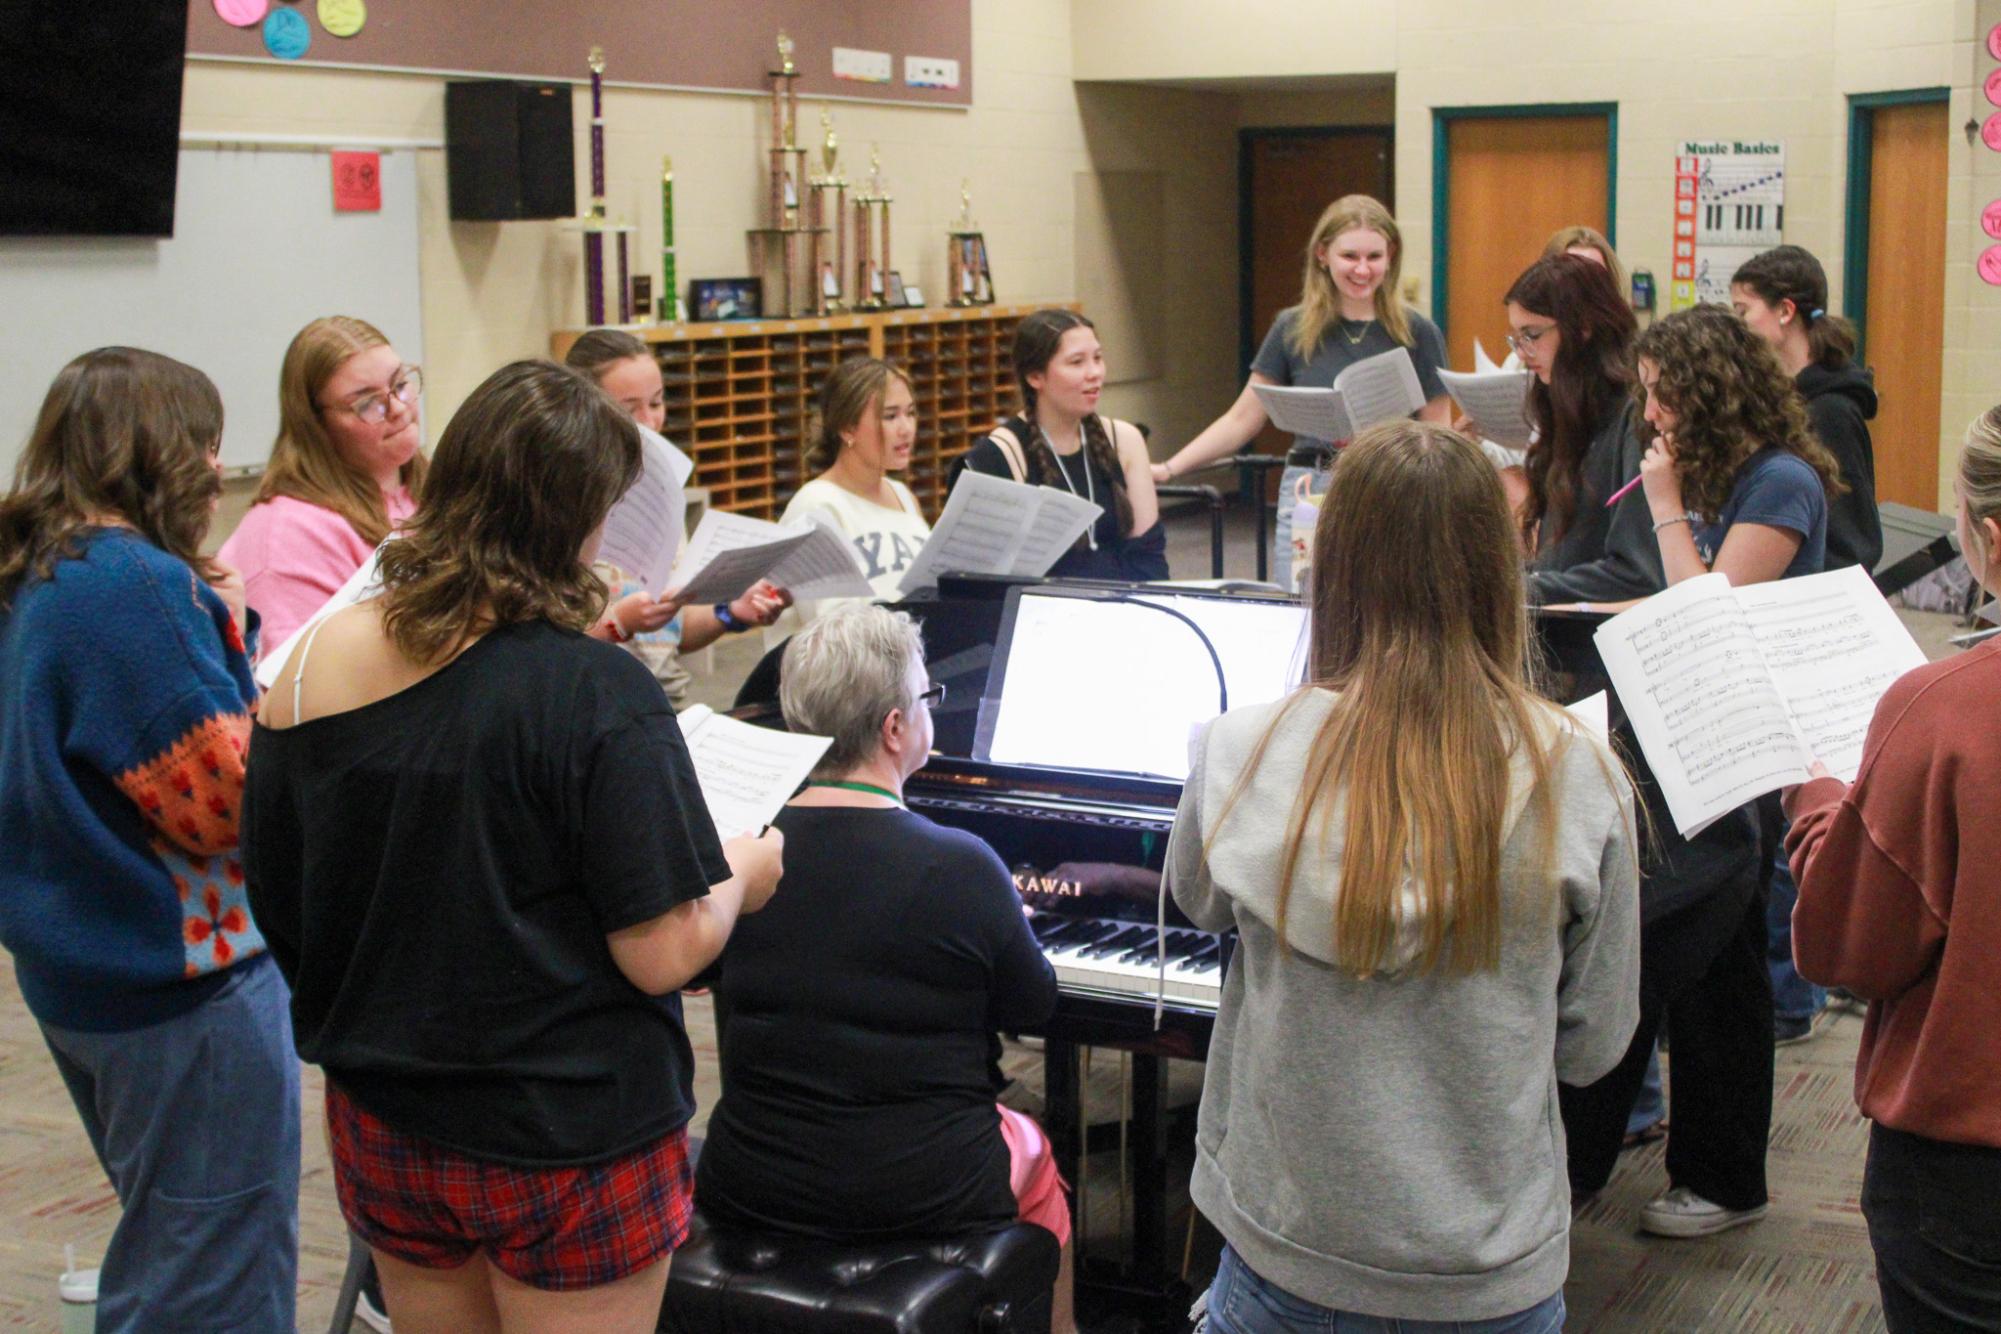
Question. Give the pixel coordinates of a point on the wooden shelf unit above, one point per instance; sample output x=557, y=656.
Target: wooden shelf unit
x=740, y=393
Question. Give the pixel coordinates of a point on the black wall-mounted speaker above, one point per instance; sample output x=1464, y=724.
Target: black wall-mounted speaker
x=509, y=151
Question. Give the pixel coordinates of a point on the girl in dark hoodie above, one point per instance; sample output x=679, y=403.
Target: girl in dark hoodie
x=1782, y=295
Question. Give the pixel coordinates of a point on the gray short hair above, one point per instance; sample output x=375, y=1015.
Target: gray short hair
x=843, y=674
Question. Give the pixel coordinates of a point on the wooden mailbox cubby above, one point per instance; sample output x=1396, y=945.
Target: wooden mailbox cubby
x=739, y=393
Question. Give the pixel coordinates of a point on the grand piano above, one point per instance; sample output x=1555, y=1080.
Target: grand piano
x=1086, y=849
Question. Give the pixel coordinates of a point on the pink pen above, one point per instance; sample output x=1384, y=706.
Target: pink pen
x=1620, y=494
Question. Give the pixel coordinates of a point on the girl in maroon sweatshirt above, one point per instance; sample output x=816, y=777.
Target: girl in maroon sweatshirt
x=1900, y=902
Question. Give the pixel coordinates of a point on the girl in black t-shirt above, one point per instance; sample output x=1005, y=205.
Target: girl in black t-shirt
x=476, y=846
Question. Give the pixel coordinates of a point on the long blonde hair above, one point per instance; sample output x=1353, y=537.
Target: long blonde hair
x=1420, y=628
x=1320, y=304
x=1980, y=482
x=1577, y=236
x=304, y=461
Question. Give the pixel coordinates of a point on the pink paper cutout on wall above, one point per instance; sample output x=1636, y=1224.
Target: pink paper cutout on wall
x=1994, y=87
x=1990, y=266
x=1990, y=132
x=242, y=13
x=1994, y=41
x=1990, y=219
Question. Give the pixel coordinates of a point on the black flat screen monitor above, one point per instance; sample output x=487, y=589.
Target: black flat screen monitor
x=90, y=116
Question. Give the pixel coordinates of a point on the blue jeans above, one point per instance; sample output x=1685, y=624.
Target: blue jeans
x=1649, y=1107
x=1242, y=1303
x=1281, y=550
x=196, y=1121
x=1793, y=997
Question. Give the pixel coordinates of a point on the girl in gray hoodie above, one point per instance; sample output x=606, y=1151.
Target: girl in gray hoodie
x=1431, y=872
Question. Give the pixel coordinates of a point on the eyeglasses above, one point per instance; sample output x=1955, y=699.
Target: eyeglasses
x=933, y=697
x=1528, y=338
x=373, y=407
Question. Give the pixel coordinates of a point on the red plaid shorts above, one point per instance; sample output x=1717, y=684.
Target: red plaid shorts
x=557, y=1228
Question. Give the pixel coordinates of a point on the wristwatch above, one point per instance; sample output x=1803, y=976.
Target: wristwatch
x=729, y=620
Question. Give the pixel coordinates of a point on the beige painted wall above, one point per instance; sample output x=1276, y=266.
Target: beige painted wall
x=1778, y=69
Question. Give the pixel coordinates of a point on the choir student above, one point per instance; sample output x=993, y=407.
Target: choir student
x=345, y=469
x=863, y=430
x=1588, y=243
x=125, y=699
x=1782, y=295
x=1348, y=310
x=1575, y=334
x=856, y=1016
x=1058, y=439
x=658, y=630
x=475, y=841
x=1431, y=871
x=1899, y=903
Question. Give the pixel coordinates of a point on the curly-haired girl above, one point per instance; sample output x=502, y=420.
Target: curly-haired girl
x=1735, y=481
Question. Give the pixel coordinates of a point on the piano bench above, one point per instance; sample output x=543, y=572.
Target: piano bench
x=733, y=1282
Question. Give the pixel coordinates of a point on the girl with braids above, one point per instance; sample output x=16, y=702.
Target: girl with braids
x=863, y=430
x=1348, y=310
x=659, y=630
x=1898, y=902
x=1734, y=480
x=1059, y=439
x=1782, y=295
x=1575, y=336
x=1431, y=873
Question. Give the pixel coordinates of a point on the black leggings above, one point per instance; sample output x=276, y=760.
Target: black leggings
x=1702, y=968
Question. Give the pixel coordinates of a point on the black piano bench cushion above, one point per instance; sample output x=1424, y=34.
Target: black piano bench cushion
x=726, y=1282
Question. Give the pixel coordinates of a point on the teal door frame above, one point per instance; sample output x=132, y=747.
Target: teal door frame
x=1441, y=178
x=1862, y=108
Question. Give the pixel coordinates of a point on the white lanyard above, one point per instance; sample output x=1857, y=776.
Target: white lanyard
x=1090, y=492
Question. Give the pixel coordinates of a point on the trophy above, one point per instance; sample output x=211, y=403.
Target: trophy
x=670, y=290
x=828, y=276
x=872, y=236
x=972, y=282
x=594, y=223
x=775, y=246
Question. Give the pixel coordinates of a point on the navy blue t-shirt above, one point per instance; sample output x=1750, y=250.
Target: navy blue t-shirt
x=1779, y=490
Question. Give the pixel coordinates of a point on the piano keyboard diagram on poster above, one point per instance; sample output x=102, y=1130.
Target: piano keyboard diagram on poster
x=1730, y=204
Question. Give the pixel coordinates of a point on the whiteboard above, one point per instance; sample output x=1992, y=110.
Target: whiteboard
x=257, y=252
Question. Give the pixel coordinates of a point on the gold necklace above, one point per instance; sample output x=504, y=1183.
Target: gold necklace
x=1355, y=339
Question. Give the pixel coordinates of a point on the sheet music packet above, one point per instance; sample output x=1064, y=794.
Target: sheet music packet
x=993, y=525
x=746, y=772
x=1495, y=397
x=730, y=552
x=1734, y=692
x=643, y=532
x=1376, y=389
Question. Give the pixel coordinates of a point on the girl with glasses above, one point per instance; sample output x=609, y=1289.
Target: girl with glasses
x=345, y=469
x=1349, y=309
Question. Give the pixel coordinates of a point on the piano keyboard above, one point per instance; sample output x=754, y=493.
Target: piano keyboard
x=1102, y=956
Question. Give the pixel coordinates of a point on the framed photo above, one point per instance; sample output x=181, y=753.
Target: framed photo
x=894, y=294
x=725, y=298
x=912, y=297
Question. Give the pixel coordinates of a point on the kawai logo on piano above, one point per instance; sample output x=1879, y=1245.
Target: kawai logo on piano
x=1047, y=885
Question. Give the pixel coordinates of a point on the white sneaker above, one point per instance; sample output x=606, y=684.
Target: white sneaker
x=367, y=1314
x=1680, y=1212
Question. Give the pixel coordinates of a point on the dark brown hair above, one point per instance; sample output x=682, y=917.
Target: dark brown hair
x=305, y=464
x=1791, y=273
x=1592, y=372
x=843, y=401
x=599, y=349
x=1733, y=399
x=1036, y=339
x=527, y=469
x=123, y=434
x=1419, y=626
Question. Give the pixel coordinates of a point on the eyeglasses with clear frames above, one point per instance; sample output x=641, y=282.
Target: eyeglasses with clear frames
x=1528, y=338
x=373, y=407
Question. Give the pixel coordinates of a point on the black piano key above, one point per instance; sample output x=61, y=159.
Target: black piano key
x=1147, y=948
x=1116, y=943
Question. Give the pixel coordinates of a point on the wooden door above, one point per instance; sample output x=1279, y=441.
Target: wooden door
x=1512, y=180
x=1905, y=314
x=1289, y=179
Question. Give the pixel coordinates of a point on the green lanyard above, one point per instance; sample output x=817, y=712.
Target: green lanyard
x=864, y=787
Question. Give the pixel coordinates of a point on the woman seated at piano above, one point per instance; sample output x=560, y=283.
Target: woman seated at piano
x=1059, y=439
x=856, y=1014
x=863, y=429
x=1431, y=873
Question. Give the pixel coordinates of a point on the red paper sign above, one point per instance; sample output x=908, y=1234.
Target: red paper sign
x=357, y=182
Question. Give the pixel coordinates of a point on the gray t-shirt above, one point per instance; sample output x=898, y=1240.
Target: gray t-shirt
x=1336, y=353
